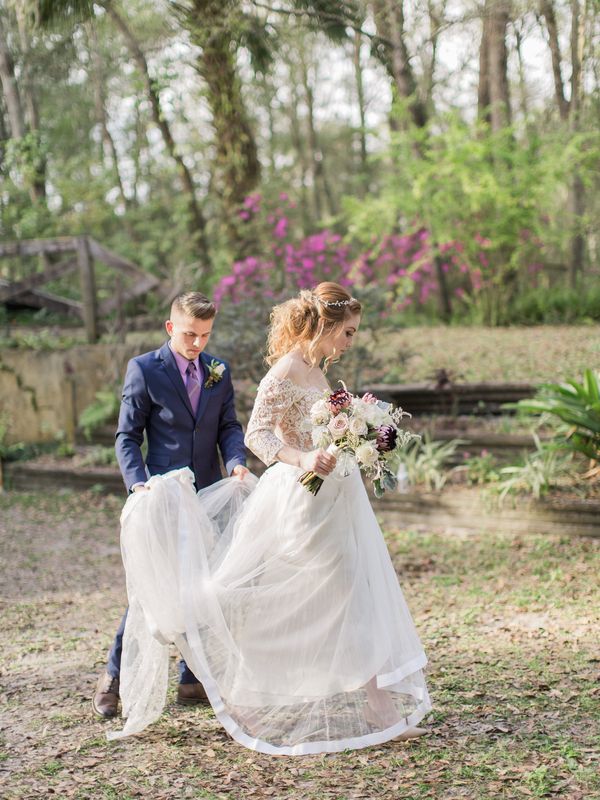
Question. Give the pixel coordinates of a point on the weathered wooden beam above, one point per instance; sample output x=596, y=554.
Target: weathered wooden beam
x=168, y=290
x=39, y=299
x=37, y=279
x=140, y=288
x=459, y=398
x=88, y=289
x=101, y=253
x=36, y=247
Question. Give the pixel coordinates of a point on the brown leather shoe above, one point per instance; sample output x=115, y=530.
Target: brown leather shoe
x=105, y=702
x=190, y=694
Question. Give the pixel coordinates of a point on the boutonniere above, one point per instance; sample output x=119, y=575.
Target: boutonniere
x=215, y=373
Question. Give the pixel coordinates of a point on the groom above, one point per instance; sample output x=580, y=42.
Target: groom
x=182, y=400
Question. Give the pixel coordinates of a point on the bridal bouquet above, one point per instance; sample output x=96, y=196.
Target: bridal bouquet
x=361, y=431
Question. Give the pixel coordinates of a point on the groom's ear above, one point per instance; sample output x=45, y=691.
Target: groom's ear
x=169, y=327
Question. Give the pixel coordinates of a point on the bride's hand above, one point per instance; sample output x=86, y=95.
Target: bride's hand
x=318, y=461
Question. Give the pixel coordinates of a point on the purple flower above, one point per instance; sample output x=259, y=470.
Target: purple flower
x=280, y=229
x=386, y=438
x=339, y=400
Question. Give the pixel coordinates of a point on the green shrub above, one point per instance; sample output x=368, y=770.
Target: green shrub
x=575, y=410
x=538, y=472
x=556, y=305
x=100, y=457
x=426, y=461
x=104, y=409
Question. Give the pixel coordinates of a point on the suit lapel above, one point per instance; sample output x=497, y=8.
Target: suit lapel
x=172, y=371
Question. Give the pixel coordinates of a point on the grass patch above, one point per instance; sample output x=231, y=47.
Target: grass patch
x=509, y=624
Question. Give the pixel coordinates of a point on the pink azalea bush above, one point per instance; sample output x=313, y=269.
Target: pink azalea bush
x=405, y=268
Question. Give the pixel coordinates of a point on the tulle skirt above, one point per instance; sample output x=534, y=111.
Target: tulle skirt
x=285, y=605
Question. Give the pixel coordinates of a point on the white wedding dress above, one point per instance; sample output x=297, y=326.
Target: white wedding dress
x=285, y=605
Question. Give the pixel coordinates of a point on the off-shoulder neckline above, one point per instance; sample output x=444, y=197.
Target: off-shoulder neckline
x=320, y=389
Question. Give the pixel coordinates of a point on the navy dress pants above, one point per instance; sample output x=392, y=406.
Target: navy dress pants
x=114, y=658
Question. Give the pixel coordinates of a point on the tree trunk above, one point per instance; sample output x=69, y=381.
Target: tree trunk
x=483, y=90
x=268, y=96
x=320, y=182
x=547, y=11
x=360, y=99
x=136, y=152
x=197, y=222
x=393, y=52
x=32, y=117
x=577, y=48
x=10, y=88
x=445, y=301
x=498, y=58
x=298, y=144
x=522, y=82
x=577, y=194
x=237, y=170
x=98, y=79
x=436, y=16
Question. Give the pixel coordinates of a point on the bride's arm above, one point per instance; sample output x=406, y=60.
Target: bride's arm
x=314, y=461
x=274, y=398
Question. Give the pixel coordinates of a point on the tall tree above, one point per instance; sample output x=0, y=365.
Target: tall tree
x=23, y=111
x=211, y=24
x=493, y=93
x=570, y=111
x=98, y=77
x=549, y=15
x=197, y=223
x=360, y=101
x=320, y=180
x=392, y=50
x=10, y=87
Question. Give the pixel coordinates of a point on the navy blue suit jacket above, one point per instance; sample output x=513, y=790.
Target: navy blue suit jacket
x=155, y=401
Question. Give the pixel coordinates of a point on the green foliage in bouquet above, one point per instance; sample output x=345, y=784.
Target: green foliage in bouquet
x=576, y=408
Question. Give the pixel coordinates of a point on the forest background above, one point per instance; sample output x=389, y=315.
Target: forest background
x=441, y=156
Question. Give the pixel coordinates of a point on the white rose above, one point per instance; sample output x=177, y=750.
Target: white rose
x=367, y=454
x=359, y=409
x=319, y=413
x=378, y=414
x=338, y=426
x=374, y=415
x=321, y=436
x=219, y=369
x=358, y=426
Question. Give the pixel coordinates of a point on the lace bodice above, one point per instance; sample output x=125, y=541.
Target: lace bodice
x=280, y=416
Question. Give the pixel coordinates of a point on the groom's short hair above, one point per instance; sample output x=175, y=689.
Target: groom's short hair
x=194, y=304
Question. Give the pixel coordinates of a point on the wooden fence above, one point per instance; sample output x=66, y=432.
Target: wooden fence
x=74, y=254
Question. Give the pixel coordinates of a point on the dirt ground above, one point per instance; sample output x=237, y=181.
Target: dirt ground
x=510, y=625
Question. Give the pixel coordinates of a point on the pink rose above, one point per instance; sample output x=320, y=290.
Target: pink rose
x=338, y=426
x=369, y=398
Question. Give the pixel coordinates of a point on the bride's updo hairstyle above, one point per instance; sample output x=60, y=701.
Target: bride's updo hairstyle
x=309, y=317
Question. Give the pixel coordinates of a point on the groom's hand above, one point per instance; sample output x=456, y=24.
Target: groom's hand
x=140, y=487
x=239, y=472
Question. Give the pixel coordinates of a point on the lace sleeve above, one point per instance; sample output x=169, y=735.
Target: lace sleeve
x=273, y=399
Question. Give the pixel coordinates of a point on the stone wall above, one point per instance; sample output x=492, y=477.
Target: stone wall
x=42, y=393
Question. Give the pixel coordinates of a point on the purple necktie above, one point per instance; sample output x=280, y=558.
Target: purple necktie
x=192, y=384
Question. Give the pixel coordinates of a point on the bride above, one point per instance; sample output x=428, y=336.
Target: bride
x=285, y=604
